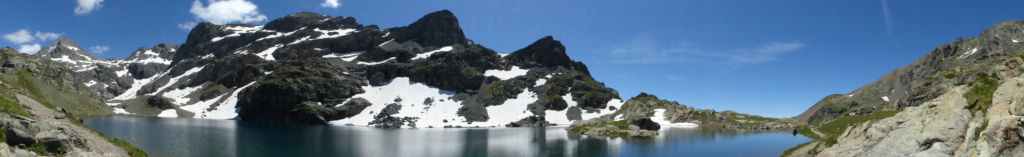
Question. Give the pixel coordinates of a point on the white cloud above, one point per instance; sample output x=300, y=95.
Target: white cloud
x=87, y=6
x=647, y=51
x=99, y=49
x=227, y=11
x=331, y=4
x=44, y=36
x=30, y=48
x=888, y=16
x=187, y=25
x=19, y=37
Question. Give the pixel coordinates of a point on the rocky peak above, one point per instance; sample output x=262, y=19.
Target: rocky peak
x=439, y=28
x=65, y=47
x=295, y=21
x=547, y=52
x=7, y=49
x=160, y=51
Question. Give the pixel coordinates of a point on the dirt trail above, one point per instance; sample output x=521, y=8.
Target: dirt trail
x=96, y=143
x=802, y=152
x=823, y=136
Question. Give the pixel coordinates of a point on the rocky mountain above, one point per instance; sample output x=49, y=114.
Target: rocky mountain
x=961, y=99
x=316, y=69
x=40, y=104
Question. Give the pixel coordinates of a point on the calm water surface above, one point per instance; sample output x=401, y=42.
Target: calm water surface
x=200, y=137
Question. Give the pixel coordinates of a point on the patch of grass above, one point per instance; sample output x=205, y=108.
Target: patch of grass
x=790, y=151
x=977, y=132
x=38, y=148
x=949, y=75
x=128, y=147
x=929, y=79
x=9, y=104
x=979, y=97
x=808, y=133
x=836, y=127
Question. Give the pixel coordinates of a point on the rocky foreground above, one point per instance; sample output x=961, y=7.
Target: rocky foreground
x=962, y=99
x=39, y=101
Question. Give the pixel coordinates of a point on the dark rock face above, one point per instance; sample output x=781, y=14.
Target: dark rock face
x=547, y=52
x=295, y=21
x=532, y=121
x=474, y=113
x=383, y=119
x=351, y=108
x=645, y=123
x=297, y=85
x=160, y=102
x=439, y=28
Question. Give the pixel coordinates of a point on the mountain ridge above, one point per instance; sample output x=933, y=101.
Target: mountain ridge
x=317, y=69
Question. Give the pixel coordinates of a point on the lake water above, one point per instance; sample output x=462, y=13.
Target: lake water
x=201, y=137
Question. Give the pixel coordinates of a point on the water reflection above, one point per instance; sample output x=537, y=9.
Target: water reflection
x=197, y=137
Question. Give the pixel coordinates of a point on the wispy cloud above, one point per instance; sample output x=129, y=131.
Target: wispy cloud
x=187, y=25
x=331, y=4
x=87, y=6
x=227, y=11
x=44, y=36
x=99, y=49
x=19, y=37
x=647, y=51
x=30, y=48
x=888, y=16
x=673, y=78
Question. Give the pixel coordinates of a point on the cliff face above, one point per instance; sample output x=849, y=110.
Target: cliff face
x=962, y=99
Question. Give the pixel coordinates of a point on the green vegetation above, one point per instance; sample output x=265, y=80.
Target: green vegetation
x=808, y=133
x=836, y=127
x=621, y=125
x=979, y=97
x=9, y=104
x=38, y=148
x=54, y=95
x=790, y=151
x=949, y=75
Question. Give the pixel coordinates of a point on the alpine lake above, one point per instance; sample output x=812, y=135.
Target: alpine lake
x=204, y=137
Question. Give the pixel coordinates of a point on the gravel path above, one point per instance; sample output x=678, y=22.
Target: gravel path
x=96, y=143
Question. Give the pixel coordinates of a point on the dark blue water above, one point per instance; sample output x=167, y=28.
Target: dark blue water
x=199, y=137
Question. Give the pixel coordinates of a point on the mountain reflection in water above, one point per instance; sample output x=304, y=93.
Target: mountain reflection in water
x=199, y=137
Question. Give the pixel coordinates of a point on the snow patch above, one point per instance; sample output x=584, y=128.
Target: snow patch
x=326, y=34
x=375, y=63
x=886, y=98
x=505, y=75
x=659, y=117
x=90, y=83
x=967, y=54
x=237, y=31
x=225, y=110
x=122, y=111
x=427, y=54
x=168, y=113
x=269, y=53
x=348, y=57
x=279, y=34
x=1014, y=40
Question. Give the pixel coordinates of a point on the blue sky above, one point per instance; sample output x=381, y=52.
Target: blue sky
x=772, y=58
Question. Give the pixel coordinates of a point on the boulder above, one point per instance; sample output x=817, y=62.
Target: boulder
x=645, y=123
